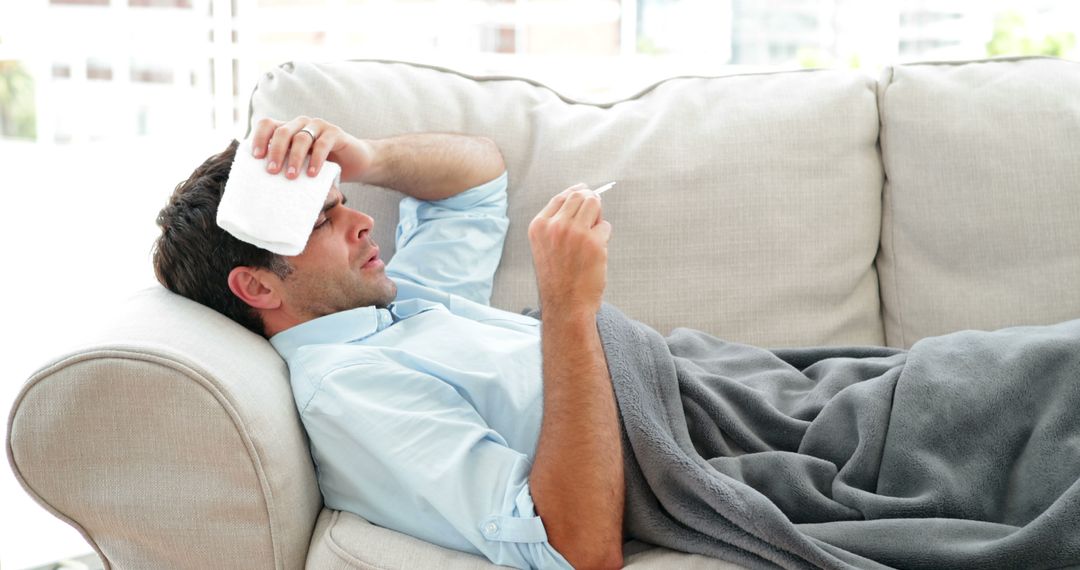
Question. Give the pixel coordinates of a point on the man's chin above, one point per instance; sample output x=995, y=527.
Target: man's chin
x=389, y=293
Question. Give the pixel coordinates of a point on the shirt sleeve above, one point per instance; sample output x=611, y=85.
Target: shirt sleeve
x=406, y=451
x=453, y=245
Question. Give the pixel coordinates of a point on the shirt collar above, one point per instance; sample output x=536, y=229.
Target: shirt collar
x=347, y=326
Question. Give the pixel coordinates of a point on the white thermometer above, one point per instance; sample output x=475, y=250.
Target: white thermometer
x=604, y=188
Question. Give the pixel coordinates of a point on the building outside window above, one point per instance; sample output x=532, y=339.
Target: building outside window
x=218, y=47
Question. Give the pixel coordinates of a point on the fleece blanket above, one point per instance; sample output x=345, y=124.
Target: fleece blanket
x=963, y=452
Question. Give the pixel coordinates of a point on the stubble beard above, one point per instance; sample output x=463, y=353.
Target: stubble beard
x=321, y=298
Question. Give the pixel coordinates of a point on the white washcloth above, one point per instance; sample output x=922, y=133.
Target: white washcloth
x=269, y=210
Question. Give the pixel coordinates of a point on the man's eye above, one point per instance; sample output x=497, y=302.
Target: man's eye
x=322, y=223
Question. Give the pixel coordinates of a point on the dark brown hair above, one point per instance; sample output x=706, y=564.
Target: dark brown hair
x=193, y=256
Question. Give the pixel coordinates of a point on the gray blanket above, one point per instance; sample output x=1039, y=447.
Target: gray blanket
x=963, y=452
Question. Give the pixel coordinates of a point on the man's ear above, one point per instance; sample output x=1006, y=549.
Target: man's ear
x=253, y=287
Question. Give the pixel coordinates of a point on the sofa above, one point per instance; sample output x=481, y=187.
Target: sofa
x=794, y=208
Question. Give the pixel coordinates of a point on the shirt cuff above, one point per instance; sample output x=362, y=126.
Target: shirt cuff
x=523, y=526
x=474, y=196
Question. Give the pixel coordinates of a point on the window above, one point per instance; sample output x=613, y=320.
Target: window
x=61, y=70
x=498, y=39
x=98, y=69
x=143, y=72
x=184, y=4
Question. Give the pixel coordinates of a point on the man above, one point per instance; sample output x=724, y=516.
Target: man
x=432, y=413
x=423, y=403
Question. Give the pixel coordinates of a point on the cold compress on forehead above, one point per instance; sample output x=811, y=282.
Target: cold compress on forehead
x=269, y=210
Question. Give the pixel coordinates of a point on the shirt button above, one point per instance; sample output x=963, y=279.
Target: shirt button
x=491, y=528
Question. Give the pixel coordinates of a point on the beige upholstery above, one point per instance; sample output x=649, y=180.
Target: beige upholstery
x=344, y=541
x=982, y=224
x=747, y=206
x=171, y=441
x=779, y=176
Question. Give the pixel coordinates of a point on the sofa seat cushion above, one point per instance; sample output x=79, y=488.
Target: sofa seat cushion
x=747, y=206
x=344, y=541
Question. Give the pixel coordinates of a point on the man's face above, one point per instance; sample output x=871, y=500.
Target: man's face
x=340, y=268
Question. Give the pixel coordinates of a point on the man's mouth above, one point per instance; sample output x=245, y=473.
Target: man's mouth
x=372, y=261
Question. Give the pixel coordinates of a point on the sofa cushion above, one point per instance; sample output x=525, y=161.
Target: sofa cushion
x=344, y=541
x=981, y=224
x=747, y=206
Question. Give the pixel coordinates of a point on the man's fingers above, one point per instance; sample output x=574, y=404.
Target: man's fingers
x=582, y=207
x=260, y=137
x=318, y=157
x=589, y=212
x=328, y=139
x=280, y=142
x=556, y=201
x=571, y=205
x=320, y=149
x=302, y=142
x=604, y=227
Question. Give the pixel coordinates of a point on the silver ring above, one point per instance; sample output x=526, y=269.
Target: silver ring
x=311, y=134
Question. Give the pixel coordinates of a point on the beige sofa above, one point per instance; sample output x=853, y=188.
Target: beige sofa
x=785, y=209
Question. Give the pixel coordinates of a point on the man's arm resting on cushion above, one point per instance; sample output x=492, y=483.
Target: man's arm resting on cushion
x=577, y=475
x=426, y=166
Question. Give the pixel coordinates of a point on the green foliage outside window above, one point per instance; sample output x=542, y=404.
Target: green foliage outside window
x=17, y=113
x=1012, y=38
x=816, y=58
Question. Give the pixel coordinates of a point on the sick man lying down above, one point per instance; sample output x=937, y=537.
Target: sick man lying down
x=547, y=440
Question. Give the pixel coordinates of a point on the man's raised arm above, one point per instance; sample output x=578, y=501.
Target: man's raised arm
x=577, y=475
x=426, y=166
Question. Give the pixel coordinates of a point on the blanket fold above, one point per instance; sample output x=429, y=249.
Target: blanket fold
x=963, y=452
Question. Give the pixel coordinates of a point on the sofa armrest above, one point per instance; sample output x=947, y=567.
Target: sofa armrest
x=171, y=441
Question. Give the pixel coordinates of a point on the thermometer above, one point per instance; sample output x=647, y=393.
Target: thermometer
x=604, y=188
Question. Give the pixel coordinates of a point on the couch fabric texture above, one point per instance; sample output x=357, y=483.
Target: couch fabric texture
x=805, y=208
x=754, y=169
x=981, y=223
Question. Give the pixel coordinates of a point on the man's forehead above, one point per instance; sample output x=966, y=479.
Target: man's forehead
x=334, y=195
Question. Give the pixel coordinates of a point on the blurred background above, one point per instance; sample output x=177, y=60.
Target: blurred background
x=106, y=105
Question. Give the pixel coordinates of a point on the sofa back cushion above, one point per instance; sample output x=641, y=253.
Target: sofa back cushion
x=747, y=206
x=981, y=224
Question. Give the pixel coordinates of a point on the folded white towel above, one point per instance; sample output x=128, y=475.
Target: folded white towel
x=269, y=210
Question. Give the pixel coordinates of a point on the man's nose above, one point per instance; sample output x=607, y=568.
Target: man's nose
x=361, y=224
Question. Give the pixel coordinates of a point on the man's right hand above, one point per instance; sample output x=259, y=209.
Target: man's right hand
x=569, y=241
x=577, y=479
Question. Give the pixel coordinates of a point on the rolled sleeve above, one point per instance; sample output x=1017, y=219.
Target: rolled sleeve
x=525, y=530
x=406, y=451
x=455, y=244
x=521, y=526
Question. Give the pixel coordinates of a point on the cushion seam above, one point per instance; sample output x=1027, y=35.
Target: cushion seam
x=340, y=551
x=887, y=82
x=535, y=83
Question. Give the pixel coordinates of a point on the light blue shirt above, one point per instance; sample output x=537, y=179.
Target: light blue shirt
x=424, y=417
